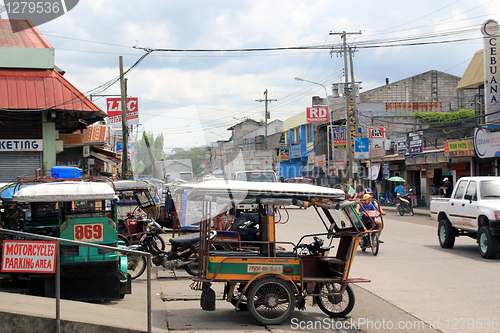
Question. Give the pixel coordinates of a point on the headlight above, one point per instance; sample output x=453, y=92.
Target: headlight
x=497, y=215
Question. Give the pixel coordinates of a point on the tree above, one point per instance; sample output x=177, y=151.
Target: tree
x=147, y=151
x=437, y=118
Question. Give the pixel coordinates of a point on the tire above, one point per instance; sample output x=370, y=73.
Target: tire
x=388, y=201
x=412, y=213
x=446, y=234
x=488, y=244
x=335, y=306
x=271, y=300
x=401, y=210
x=192, y=268
x=124, y=239
x=375, y=243
x=160, y=243
x=136, y=266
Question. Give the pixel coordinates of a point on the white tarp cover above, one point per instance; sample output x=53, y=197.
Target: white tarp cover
x=66, y=191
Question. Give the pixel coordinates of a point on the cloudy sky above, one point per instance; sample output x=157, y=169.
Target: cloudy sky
x=194, y=96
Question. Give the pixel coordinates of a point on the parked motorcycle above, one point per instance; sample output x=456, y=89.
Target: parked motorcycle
x=386, y=198
x=404, y=204
x=183, y=253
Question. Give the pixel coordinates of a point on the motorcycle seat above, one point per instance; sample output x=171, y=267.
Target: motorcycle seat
x=185, y=240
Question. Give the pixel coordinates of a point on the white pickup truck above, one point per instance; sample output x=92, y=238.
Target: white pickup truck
x=473, y=210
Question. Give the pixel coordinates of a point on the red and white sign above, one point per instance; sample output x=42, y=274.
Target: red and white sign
x=29, y=257
x=114, y=107
x=376, y=132
x=88, y=232
x=317, y=115
x=319, y=160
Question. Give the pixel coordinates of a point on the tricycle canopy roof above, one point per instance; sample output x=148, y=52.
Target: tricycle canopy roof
x=242, y=191
x=127, y=185
x=66, y=191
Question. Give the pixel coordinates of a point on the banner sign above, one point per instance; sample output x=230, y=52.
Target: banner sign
x=415, y=143
x=29, y=257
x=352, y=122
x=21, y=145
x=295, y=150
x=459, y=148
x=284, y=153
x=319, y=160
x=386, y=171
x=401, y=148
x=487, y=144
x=317, y=115
x=361, y=148
x=114, y=108
x=377, y=148
x=491, y=76
x=376, y=132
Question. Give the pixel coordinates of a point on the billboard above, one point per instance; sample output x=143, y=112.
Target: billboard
x=114, y=108
x=491, y=77
x=317, y=115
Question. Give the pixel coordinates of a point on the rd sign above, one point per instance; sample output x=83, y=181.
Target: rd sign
x=317, y=115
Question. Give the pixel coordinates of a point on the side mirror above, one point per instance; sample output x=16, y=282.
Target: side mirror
x=468, y=197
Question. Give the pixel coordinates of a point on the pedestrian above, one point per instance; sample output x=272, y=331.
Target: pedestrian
x=447, y=188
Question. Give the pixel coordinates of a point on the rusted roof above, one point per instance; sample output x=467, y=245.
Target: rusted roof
x=26, y=35
x=31, y=89
x=474, y=74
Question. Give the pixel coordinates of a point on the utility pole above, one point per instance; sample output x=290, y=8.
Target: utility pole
x=123, y=88
x=350, y=117
x=266, y=115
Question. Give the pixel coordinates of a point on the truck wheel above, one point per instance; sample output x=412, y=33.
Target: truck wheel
x=488, y=244
x=446, y=234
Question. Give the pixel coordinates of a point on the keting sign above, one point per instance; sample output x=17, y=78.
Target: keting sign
x=32, y=257
x=317, y=115
x=21, y=145
x=114, y=107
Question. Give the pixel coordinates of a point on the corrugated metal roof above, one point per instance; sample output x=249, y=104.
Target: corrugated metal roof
x=474, y=74
x=31, y=89
x=25, y=34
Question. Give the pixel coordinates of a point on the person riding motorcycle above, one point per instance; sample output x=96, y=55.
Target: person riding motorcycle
x=365, y=205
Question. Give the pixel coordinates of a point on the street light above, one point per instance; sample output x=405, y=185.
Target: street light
x=330, y=116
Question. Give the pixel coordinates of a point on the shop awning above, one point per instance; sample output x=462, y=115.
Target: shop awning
x=307, y=168
x=104, y=158
x=474, y=74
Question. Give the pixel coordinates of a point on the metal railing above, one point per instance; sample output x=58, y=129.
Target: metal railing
x=97, y=246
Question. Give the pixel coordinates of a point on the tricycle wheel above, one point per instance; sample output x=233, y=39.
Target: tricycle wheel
x=237, y=293
x=488, y=244
x=446, y=234
x=136, y=265
x=334, y=305
x=271, y=300
x=375, y=243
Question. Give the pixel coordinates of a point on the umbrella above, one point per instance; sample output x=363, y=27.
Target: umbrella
x=396, y=179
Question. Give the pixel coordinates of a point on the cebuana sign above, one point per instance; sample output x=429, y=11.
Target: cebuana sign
x=491, y=76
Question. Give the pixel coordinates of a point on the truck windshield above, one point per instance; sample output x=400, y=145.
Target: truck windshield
x=256, y=176
x=186, y=176
x=490, y=189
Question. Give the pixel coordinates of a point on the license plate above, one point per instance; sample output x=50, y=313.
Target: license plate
x=88, y=232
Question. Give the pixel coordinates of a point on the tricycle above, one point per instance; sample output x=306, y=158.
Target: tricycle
x=276, y=278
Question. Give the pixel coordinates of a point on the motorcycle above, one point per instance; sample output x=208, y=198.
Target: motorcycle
x=183, y=253
x=370, y=239
x=386, y=198
x=404, y=204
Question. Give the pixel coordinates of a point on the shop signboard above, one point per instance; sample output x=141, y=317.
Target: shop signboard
x=459, y=148
x=376, y=132
x=114, y=108
x=284, y=153
x=441, y=157
x=409, y=160
x=419, y=159
x=430, y=158
x=340, y=157
x=319, y=160
x=386, y=171
x=361, y=148
x=401, y=148
x=377, y=148
x=21, y=145
x=295, y=150
x=415, y=143
x=317, y=115
x=487, y=144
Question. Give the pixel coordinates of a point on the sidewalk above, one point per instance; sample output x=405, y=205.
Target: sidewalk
x=423, y=211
